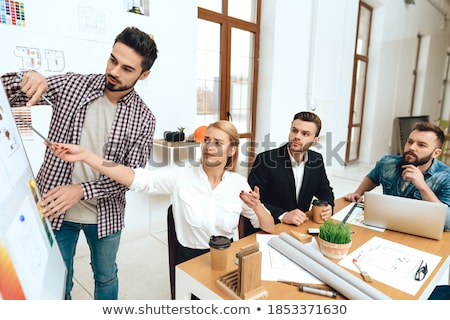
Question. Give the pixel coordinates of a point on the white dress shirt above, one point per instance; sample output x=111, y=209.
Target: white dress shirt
x=298, y=170
x=199, y=211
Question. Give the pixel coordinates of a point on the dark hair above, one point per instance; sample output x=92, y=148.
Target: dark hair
x=309, y=117
x=142, y=43
x=427, y=126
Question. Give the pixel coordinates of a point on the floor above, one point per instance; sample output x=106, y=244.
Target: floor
x=143, y=260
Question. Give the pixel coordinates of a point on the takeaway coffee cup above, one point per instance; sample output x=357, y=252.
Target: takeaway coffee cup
x=317, y=209
x=219, y=252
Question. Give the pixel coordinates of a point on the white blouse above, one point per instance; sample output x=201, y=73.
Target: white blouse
x=199, y=212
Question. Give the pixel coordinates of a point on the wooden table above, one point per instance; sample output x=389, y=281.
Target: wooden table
x=196, y=276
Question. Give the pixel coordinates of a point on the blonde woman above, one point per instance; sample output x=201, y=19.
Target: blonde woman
x=207, y=200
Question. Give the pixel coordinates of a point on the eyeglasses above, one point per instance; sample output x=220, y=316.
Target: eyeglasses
x=422, y=271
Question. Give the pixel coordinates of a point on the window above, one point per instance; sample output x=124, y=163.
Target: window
x=360, y=65
x=227, y=67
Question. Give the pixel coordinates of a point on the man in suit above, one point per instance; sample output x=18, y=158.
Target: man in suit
x=290, y=176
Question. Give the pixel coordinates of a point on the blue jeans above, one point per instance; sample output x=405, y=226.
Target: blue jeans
x=103, y=257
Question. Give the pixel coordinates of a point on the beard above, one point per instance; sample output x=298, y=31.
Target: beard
x=303, y=148
x=118, y=87
x=417, y=161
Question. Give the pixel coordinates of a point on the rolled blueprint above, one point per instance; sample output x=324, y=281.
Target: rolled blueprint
x=347, y=276
x=336, y=277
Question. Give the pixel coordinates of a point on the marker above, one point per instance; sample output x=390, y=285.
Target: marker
x=322, y=292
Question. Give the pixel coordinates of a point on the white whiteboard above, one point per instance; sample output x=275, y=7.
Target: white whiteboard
x=31, y=264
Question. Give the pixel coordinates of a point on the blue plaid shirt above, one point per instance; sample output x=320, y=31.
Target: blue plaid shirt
x=388, y=174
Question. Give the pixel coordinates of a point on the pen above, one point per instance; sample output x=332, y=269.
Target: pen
x=322, y=292
x=355, y=205
x=43, y=97
x=311, y=285
x=292, y=283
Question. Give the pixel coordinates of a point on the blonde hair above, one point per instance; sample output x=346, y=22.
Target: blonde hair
x=230, y=129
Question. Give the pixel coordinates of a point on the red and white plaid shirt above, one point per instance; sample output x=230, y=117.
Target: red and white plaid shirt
x=130, y=141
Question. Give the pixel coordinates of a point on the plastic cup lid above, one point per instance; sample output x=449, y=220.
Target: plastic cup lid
x=219, y=242
x=320, y=202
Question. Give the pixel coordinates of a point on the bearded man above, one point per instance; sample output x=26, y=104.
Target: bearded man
x=416, y=174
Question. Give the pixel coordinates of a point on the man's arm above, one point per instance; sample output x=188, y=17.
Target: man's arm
x=366, y=185
x=32, y=84
x=415, y=176
x=324, y=190
x=295, y=217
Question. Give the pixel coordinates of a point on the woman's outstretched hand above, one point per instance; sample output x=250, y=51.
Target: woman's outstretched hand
x=251, y=198
x=68, y=152
x=76, y=153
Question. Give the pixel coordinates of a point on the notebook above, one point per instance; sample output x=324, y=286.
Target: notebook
x=417, y=217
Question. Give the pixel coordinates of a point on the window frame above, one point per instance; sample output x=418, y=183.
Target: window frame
x=227, y=23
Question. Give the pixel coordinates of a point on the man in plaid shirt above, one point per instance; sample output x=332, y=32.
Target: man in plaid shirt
x=105, y=114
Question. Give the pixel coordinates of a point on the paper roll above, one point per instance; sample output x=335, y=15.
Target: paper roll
x=336, y=277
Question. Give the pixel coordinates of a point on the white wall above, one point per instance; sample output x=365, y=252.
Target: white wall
x=390, y=76
x=84, y=31
x=309, y=66
x=306, y=61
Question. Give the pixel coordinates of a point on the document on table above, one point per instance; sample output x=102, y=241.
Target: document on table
x=275, y=266
x=392, y=263
x=356, y=217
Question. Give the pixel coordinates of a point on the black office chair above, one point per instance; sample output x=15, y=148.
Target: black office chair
x=440, y=292
x=245, y=227
x=172, y=246
x=172, y=243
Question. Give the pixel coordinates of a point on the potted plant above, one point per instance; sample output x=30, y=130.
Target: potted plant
x=334, y=239
x=181, y=133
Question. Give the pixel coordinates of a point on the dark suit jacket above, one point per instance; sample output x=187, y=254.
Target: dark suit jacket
x=272, y=173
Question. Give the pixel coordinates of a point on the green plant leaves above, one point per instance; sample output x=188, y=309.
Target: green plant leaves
x=335, y=232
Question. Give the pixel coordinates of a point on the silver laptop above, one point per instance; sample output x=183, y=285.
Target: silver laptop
x=417, y=217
